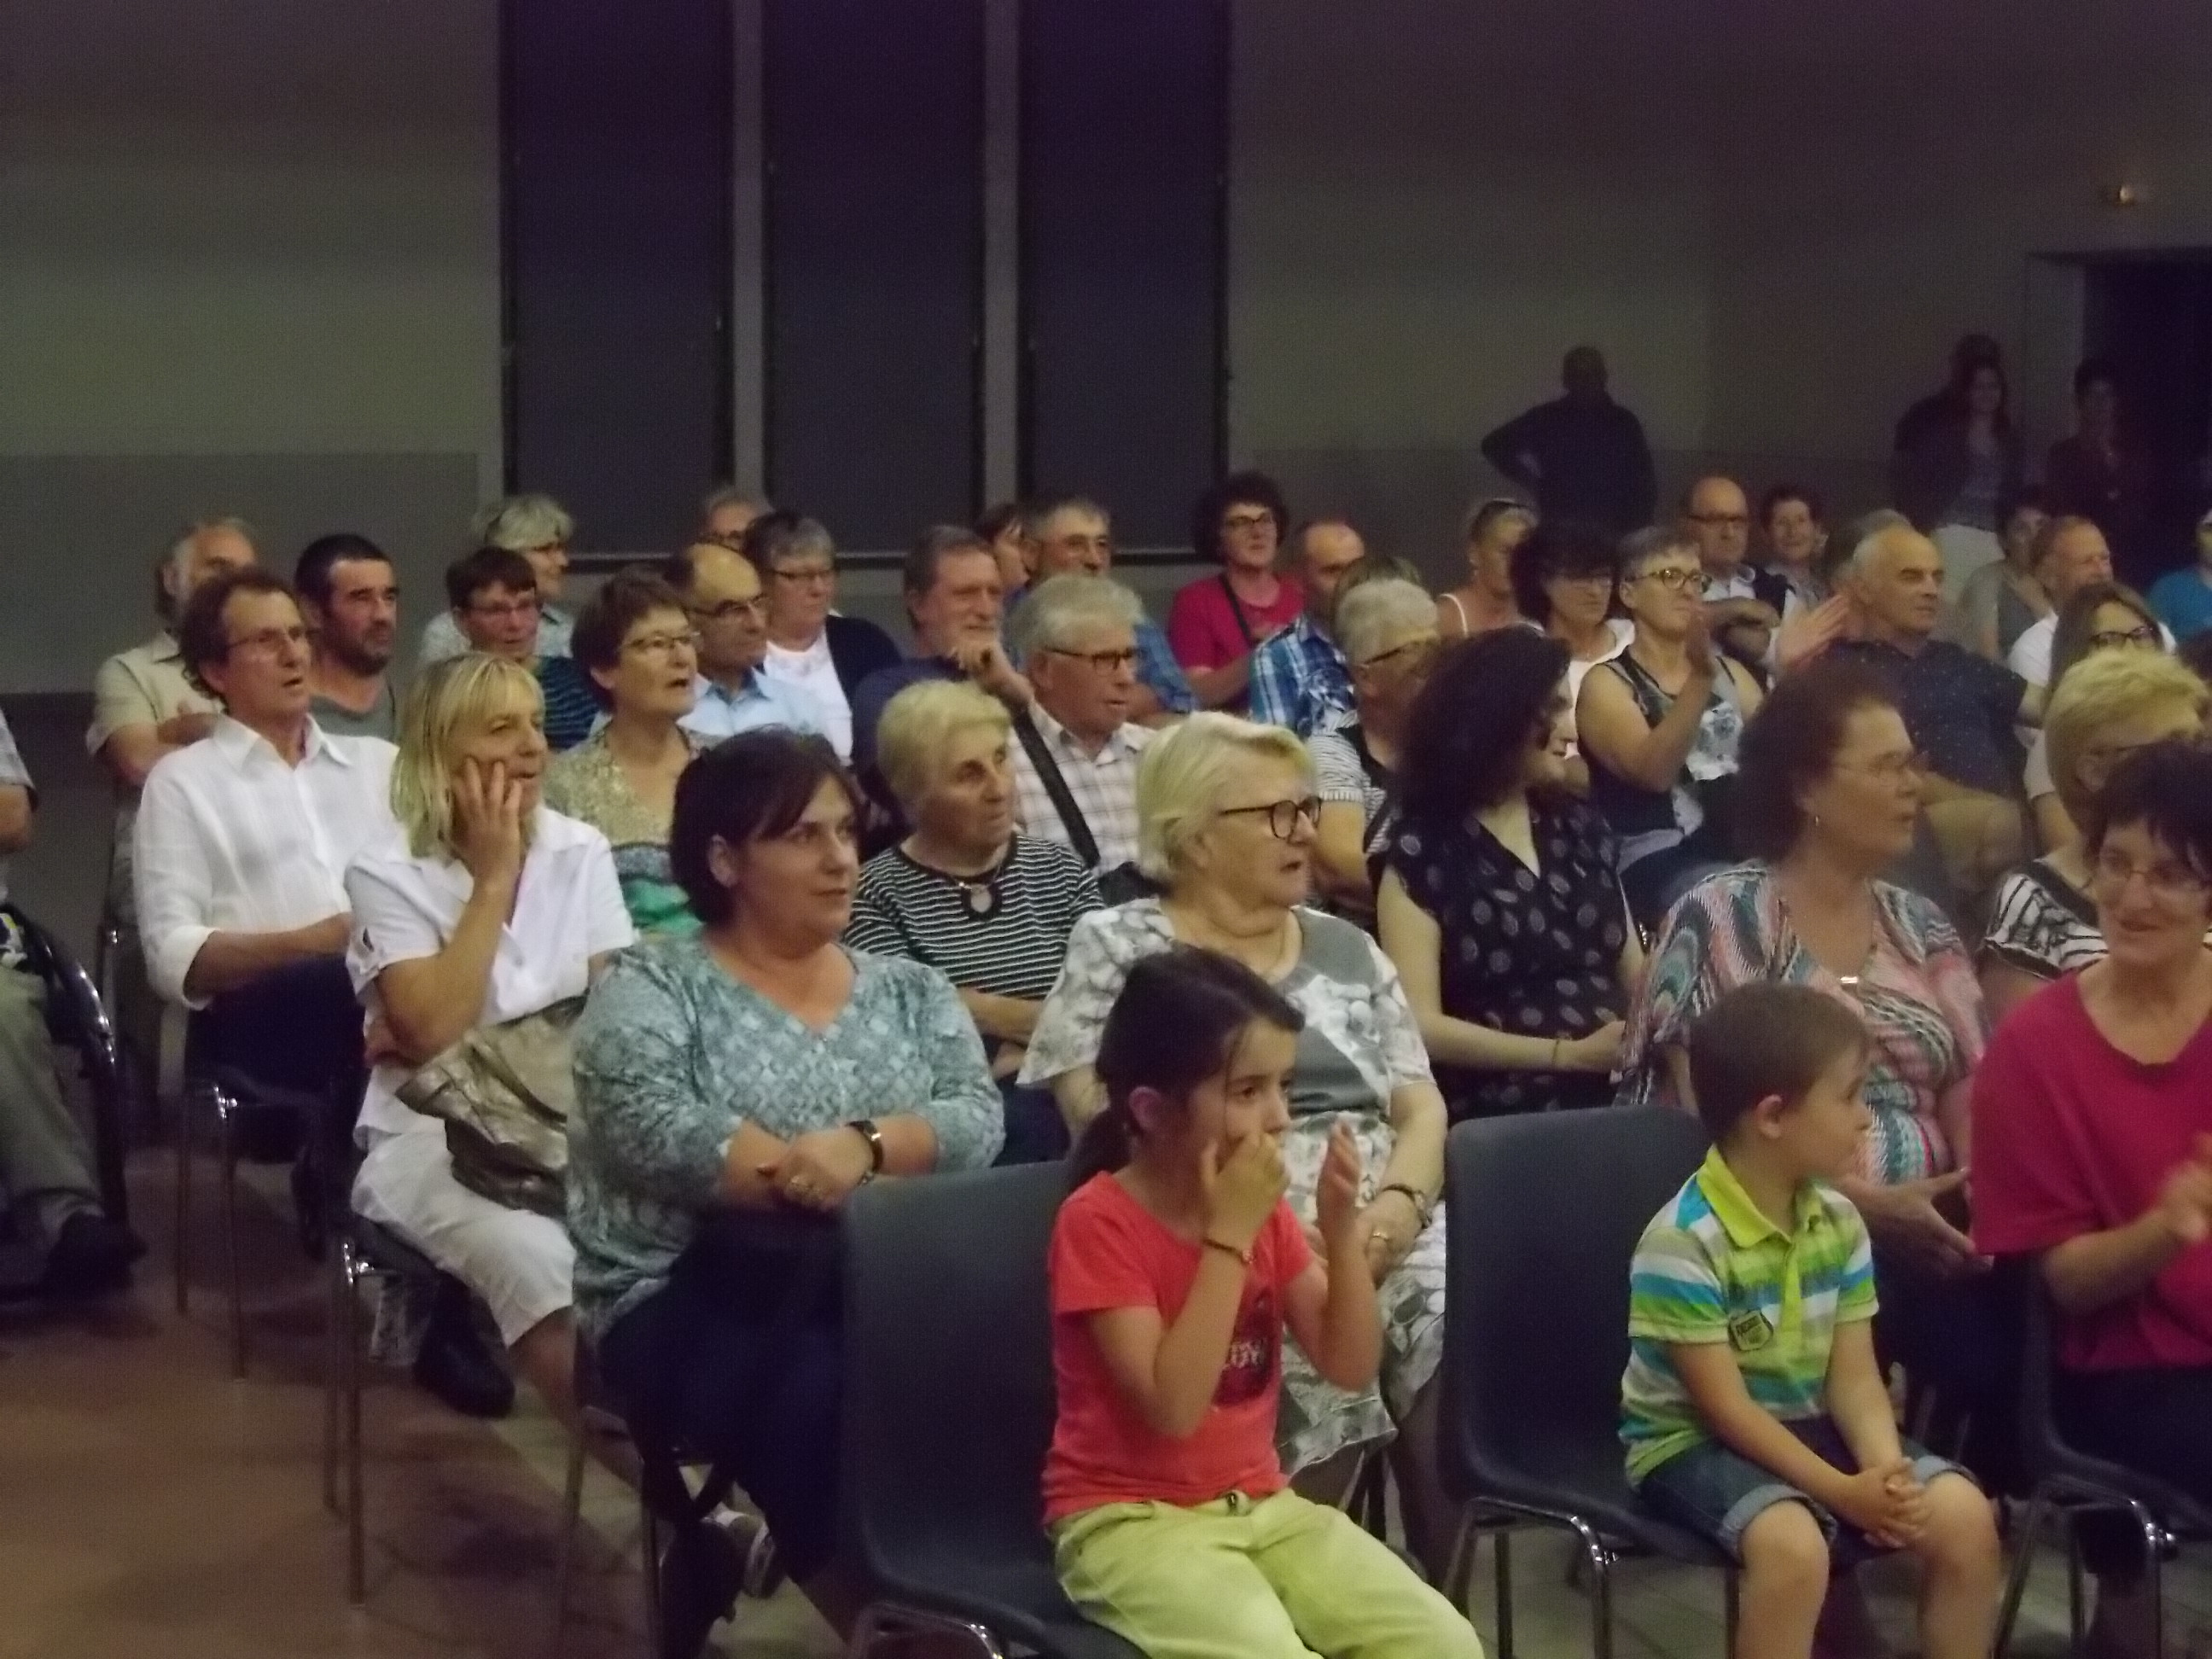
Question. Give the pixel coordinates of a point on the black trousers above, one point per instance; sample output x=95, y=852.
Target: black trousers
x=296, y=1028
x=2155, y=1419
x=1962, y=1336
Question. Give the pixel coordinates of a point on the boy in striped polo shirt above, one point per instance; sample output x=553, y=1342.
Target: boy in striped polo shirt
x=1752, y=1409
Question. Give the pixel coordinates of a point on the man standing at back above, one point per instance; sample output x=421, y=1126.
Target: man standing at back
x=1299, y=678
x=1072, y=535
x=350, y=598
x=1583, y=455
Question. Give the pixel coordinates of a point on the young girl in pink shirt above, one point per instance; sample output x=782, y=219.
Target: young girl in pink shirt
x=1175, y=1265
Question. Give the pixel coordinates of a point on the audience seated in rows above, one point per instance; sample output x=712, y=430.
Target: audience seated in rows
x=473, y=906
x=1298, y=679
x=1795, y=527
x=540, y=529
x=1175, y=1268
x=1715, y=519
x=1582, y=455
x=2183, y=597
x=1565, y=576
x=1388, y=630
x=1827, y=802
x=49, y=1201
x=495, y=600
x=968, y=893
x=1502, y=905
x=1218, y=622
x=2002, y=600
x=1227, y=827
x=733, y=1086
x=809, y=647
x=2070, y=556
x=732, y=691
x=1658, y=728
x=950, y=582
x=1066, y=535
x=2102, y=710
x=1491, y=533
x=2103, y=616
x=1755, y=1408
x=636, y=643
x=1957, y=457
x=1961, y=710
x=1077, y=745
x=2093, y=1158
x=350, y=595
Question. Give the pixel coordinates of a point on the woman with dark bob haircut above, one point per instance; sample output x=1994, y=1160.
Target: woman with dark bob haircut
x=1563, y=577
x=731, y=1088
x=1238, y=524
x=1502, y=907
x=1827, y=799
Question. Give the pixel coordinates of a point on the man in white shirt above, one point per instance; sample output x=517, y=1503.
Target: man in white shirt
x=1717, y=516
x=722, y=594
x=242, y=845
x=2070, y=555
x=1078, y=635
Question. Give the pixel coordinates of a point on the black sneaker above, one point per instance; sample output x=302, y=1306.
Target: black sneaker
x=701, y=1573
x=453, y=1364
x=91, y=1257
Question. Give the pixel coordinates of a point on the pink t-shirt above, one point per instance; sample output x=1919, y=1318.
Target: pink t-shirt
x=1108, y=1252
x=1202, y=629
x=2072, y=1137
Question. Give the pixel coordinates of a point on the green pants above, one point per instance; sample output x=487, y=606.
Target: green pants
x=46, y=1163
x=1278, y=1579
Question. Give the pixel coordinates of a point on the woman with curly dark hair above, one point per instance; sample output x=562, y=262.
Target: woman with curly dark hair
x=1502, y=905
x=1239, y=524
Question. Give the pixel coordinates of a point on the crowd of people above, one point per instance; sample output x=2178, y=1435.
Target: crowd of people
x=1884, y=880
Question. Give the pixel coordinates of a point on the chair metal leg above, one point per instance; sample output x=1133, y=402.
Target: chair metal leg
x=226, y=1117
x=333, y=1368
x=2154, y=1546
x=572, y=1511
x=2031, y=1529
x=1600, y=1558
x=1459, y=1572
x=357, y=1542
x=648, y=1537
x=1731, y=1607
x=877, y=1621
x=181, y=1255
x=1501, y=1545
x=2076, y=1623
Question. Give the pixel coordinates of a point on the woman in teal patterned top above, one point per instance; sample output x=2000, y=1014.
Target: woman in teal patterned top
x=757, y=1067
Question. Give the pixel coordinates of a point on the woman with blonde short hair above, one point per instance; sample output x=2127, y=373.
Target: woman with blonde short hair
x=1227, y=814
x=967, y=894
x=2108, y=705
x=482, y=907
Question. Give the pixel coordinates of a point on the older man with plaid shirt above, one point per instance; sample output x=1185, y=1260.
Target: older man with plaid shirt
x=1076, y=634
x=1299, y=678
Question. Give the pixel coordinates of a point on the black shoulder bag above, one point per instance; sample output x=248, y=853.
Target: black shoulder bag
x=1122, y=882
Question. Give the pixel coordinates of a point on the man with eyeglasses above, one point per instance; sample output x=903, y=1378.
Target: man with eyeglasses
x=1071, y=534
x=1076, y=634
x=540, y=529
x=1299, y=678
x=243, y=841
x=498, y=608
x=1717, y=516
x=722, y=595
x=809, y=647
x=2070, y=555
x=1582, y=455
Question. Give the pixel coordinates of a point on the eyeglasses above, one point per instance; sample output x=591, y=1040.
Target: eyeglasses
x=270, y=641
x=500, y=610
x=1236, y=521
x=1106, y=662
x=1283, y=815
x=1419, y=649
x=804, y=573
x=1673, y=577
x=729, y=610
x=2112, y=638
x=2169, y=883
x=662, y=645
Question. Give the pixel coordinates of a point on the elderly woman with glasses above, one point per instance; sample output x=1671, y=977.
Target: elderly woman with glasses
x=1487, y=598
x=1387, y=631
x=1226, y=817
x=809, y=646
x=539, y=528
x=1659, y=724
x=636, y=648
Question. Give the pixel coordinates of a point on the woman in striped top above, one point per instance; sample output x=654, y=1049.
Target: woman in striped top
x=989, y=909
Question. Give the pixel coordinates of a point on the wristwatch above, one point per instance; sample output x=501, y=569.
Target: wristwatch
x=865, y=1129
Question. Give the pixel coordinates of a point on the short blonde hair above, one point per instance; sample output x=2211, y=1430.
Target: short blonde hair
x=920, y=722
x=2100, y=692
x=448, y=697
x=1181, y=776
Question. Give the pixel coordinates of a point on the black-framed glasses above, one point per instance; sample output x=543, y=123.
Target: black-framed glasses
x=1106, y=662
x=1283, y=815
x=1235, y=521
x=2114, y=637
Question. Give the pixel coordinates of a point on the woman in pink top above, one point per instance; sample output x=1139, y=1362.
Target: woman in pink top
x=1175, y=1265
x=1240, y=524
x=2092, y=1152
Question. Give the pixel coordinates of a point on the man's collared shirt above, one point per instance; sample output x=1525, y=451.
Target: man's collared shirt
x=1299, y=679
x=1712, y=1269
x=763, y=700
x=142, y=686
x=230, y=839
x=1104, y=786
x=873, y=694
x=1960, y=708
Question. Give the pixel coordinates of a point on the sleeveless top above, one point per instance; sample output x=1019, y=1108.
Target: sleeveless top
x=1650, y=821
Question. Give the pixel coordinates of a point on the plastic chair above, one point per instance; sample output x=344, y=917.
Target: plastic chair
x=2068, y=1482
x=948, y=1411
x=76, y=1018
x=1545, y=1212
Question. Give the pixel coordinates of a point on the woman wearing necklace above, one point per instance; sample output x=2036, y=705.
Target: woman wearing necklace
x=1226, y=824
x=640, y=658
x=1502, y=908
x=990, y=909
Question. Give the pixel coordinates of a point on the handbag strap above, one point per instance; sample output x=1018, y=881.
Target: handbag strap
x=1063, y=798
x=1236, y=610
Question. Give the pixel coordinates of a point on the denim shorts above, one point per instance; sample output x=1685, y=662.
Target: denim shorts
x=1716, y=1492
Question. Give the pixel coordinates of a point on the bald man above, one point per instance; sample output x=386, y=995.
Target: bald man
x=1717, y=516
x=1299, y=678
x=1962, y=710
x=2071, y=554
